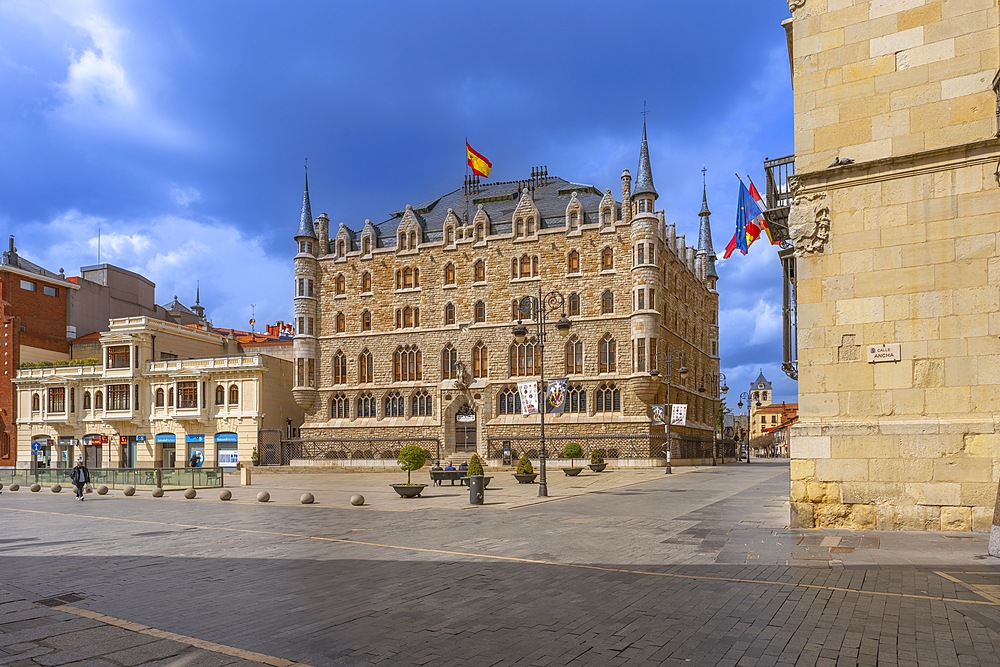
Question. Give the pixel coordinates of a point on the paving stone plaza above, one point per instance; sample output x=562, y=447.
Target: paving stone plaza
x=618, y=568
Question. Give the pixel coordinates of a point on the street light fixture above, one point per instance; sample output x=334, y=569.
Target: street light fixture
x=683, y=372
x=540, y=306
x=715, y=380
x=746, y=434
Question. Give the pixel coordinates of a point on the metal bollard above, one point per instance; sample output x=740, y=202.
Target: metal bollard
x=477, y=489
x=668, y=462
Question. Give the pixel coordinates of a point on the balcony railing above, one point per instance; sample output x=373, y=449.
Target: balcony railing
x=779, y=172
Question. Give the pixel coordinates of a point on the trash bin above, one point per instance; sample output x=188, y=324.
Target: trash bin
x=477, y=489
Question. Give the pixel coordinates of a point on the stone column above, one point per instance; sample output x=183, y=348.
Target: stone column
x=995, y=531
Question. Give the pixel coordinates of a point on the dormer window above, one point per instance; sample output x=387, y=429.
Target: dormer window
x=449, y=236
x=402, y=241
x=518, y=228
x=413, y=240
x=480, y=232
x=341, y=248
x=366, y=246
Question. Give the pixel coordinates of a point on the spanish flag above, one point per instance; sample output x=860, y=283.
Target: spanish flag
x=480, y=165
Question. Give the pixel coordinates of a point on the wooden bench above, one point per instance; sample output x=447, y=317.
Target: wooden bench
x=438, y=476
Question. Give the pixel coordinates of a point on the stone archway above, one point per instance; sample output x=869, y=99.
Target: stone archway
x=461, y=422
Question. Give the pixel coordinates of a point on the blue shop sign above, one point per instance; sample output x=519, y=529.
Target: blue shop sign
x=166, y=439
x=195, y=439
x=140, y=438
x=227, y=437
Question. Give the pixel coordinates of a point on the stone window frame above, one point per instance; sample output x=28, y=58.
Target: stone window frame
x=366, y=282
x=607, y=398
x=340, y=323
x=366, y=406
x=574, y=357
x=480, y=360
x=36, y=403
x=87, y=400
x=234, y=396
x=607, y=354
x=366, y=320
x=607, y=302
x=479, y=312
x=340, y=406
x=449, y=362
x=607, y=258
x=394, y=404
x=339, y=367
x=449, y=274
x=524, y=358
x=421, y=404
x=220, y=395
x=576, y=399
x=573, y=262
x=509, y=401
x=574, y=304
x=479, y=271
x=407, y=364
x=366, y=367
x=55, y=400
x=449, y=313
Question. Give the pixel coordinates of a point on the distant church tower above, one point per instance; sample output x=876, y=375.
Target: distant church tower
x=306, y=306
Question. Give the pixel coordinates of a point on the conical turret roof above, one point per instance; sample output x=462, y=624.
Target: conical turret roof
x=306, y=218
x=644, y=176
x=705, y=235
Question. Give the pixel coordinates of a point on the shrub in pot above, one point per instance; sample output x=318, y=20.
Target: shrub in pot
x=525, y=473
x=572, y=451
x=410, y=458
x=597, y=463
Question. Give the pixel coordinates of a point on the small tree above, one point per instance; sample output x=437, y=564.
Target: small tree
x=596, y=457
x=475, y=466
x=524, y=466
x=572, y=451
x=411, y=458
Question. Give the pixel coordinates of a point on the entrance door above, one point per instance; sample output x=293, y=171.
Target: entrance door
x=465, y=436
x=169, y=456
x=92, y=456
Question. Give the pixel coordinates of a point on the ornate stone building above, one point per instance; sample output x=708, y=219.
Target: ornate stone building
x=894, y=222
x=404, y=328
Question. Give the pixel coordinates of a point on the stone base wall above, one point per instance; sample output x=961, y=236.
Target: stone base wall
x=927, y=474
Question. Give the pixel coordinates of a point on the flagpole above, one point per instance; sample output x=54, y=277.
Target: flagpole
x=465, y=187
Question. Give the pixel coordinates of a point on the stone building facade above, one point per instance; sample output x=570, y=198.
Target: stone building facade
x=894, y=221
x=404, y=328
x=149, y=393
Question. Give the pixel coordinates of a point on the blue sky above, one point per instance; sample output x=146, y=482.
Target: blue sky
x=180, y=128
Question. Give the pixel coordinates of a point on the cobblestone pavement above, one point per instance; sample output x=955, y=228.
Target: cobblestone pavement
x=636, y=568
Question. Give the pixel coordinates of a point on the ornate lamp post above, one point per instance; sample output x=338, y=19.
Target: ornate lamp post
x=746, y=434
x=540, y=307
x=718, y=382
x=683, y=372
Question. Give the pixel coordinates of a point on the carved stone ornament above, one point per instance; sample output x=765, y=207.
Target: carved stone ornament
x=795, y=4
x=809, y=223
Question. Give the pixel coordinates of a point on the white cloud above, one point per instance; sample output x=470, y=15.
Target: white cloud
x=185, y=196
x=97, y=75
x=175, y=253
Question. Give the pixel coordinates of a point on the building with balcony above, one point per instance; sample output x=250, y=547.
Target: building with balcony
x=155, y=394
x=404, y=328
x=891, y=264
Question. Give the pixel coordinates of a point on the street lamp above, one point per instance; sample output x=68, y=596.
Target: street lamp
x=746, y=434
x=716, y=380
x=683, y=372
x=540, y=306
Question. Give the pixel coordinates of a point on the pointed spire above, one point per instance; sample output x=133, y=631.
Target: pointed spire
x=705, y=230
x=306, y=218
x=644, y=176
x=197, y=294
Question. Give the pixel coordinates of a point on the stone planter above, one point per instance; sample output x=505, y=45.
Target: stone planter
x=409, y=490
x=598, y=467
x=526, y=479
x=572, y=472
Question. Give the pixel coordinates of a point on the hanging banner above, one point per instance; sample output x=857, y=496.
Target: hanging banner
x=658, y=412
x=555, y=395
x=529, y=397
x=678, y=414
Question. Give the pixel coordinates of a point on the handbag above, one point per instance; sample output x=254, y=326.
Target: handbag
x=89, y=488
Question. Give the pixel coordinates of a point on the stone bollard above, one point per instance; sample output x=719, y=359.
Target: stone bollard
x=157, y=492
x=357, y=500
x=994, y=548
x=307, y=499
x=263, y=497
x=129, y=490
x=102, y=490
x=225, y=494
x=246, y=478
x=35, y=488
x=15, y=486
x=190, y=494
x=55, y=488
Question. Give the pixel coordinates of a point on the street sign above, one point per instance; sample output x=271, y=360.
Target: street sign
x=36, y=446
x=881, y=353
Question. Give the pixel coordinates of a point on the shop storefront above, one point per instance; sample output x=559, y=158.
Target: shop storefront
x=226, y=447
x=67, y=452
x=92, y=450
x=195, y=449
x=41, y=451
x=166, y=450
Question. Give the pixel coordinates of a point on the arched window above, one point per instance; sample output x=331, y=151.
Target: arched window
x=607, y=259
x=340, y=284
x=399, y=318
x=449, y=313
x=480, y=361
x=366, y=281
x=86, y=399
x=341, y=248
x=509, y=401
x=513, y=268
x=407, y=278
x=449, y=274
x=402, y=241
x=366, y=367
x=341, y=323
x=534, y=265
x=529, y=226
x=607, y=353
x=395, y=406
x=406, y=364
x=519, y=228
x=479, y=271
x=366, y=246
x=574, y=355
x=606, y=216
x=524, y=358
x=449, y=362
x=525, y=269
x=573, y=262
x=449, y=235
x=36, y=403
x=480, y=311
x=99, y=399
x=234, y=395
x=399, y=279
x=413, y=240
x=340, y=406
x=577, y=399
x=220, y=395
x=422, y=405
x=480, y=232
x=574, y=220
x=366, y=405
x=340, y=368
x=366, y=320
x=574, y=304
x=607, y=302
x=407, y=317
x=609, y=398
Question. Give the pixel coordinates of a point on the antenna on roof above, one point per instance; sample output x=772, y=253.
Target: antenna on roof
x=253, y=320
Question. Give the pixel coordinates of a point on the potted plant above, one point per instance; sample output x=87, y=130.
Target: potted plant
x=255, y=457
x=476, y=468
x=525, y=474
x=410, y=458
x=597, y=463
x=572, y=451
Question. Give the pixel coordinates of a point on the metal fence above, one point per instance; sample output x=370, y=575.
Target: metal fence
x=360, y=448
x=613, y=446
x=118, y=478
